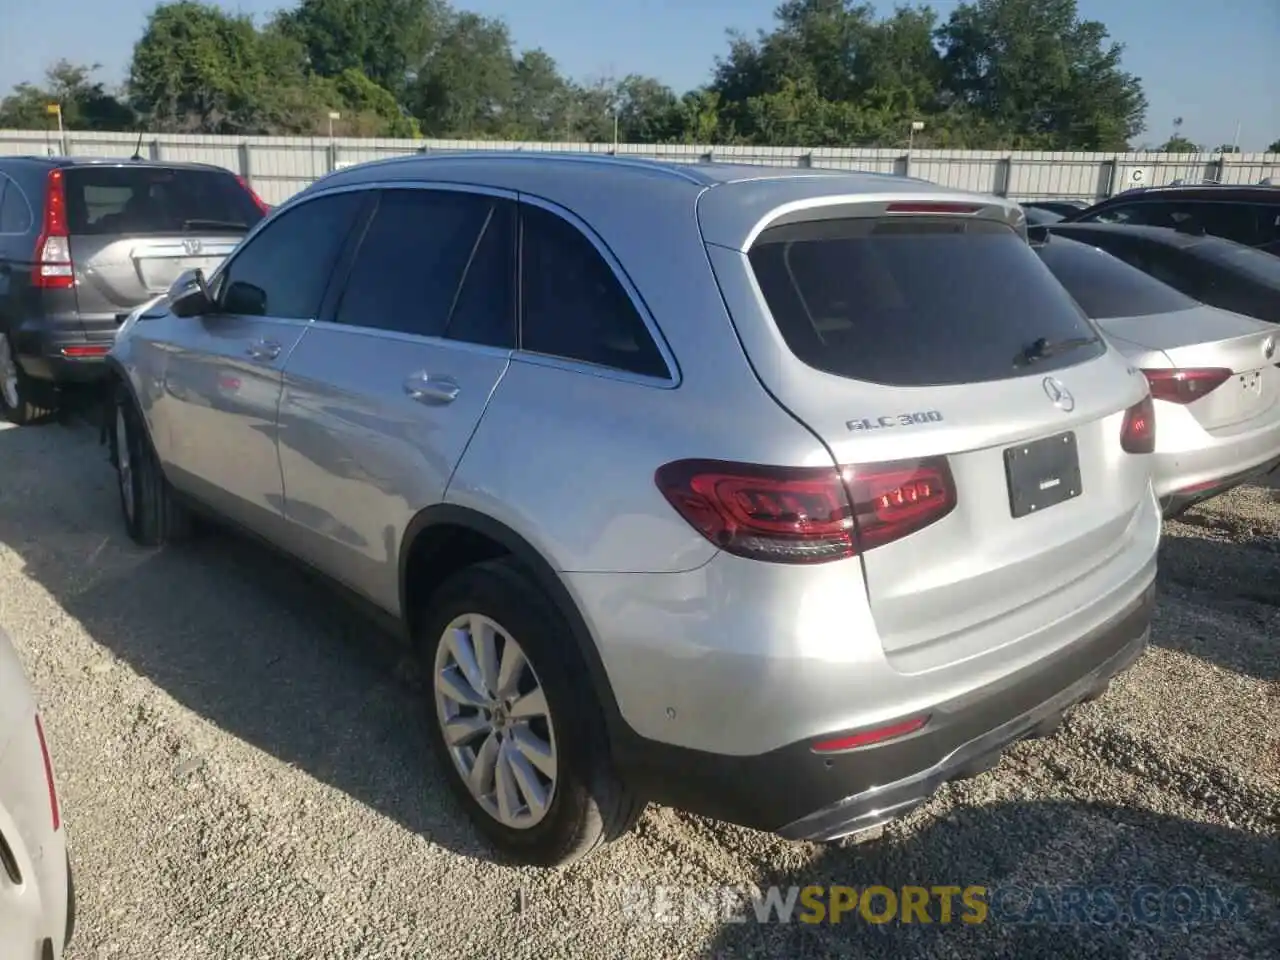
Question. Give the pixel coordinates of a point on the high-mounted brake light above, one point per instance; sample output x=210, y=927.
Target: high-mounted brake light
x=53, y=269
x=1186, y=386
x=903, y=207
x=48, y=775
x=249, y=190
x=1138, y=431
x=806, y=514
x=867, y=737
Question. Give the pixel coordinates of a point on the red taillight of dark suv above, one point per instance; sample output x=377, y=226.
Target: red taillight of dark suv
x=52, y=268
x=807, y=514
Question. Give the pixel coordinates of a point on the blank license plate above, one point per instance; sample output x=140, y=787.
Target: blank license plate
x=1042, y=473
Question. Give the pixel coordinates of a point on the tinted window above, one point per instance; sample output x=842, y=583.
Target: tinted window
x=573, y=305
x=283, y=271
x=1106, y=287
x=1038, y=216
x=1268, y=217
x=149, y=200
x=407, y=272
x=1135, y=214
x=915, y=301
x=1168, y=264
x=484, y=311
x=1254, y=264
x=1235, y=221
x=15, y=212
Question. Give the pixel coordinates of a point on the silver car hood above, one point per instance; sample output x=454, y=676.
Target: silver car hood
x=1184, y=328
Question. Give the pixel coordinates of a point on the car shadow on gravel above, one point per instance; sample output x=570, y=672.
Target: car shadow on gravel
x=236, y=635
x=1138, y=878
x=1227, y=568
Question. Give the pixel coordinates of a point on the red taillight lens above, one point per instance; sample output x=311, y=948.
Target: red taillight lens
x=933, y=208
x=248, y=189
x=53, y=268
x=892, y=500
x=1138, y=432
x=99, y=350
x=806, y=514
x=48, y=775
x=1186, y=386
x=868, y=737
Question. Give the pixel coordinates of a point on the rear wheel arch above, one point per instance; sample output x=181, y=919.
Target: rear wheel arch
x=444, y=538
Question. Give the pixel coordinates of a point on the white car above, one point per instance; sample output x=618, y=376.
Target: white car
x=37, y=910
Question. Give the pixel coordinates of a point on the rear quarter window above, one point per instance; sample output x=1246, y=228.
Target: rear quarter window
x=156, y=200
x=916, y=301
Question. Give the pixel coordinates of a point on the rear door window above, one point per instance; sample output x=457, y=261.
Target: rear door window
x=1106, y=287
x=1148, y=214
x=144, y=200
x=916, y=301
x=15, y=212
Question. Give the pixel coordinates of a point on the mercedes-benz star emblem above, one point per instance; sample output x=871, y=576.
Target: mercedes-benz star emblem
x=1269, y=348
x=1056, y=391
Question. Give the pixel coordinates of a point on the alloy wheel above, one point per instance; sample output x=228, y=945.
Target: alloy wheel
x=124, y=462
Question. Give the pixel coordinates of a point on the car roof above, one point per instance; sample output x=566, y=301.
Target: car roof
x=66, y=163
x=1200, y=191
x=731, y=199
x=1166, y=236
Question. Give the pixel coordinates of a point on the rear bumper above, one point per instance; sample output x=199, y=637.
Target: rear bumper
x=1188, y=459
x=1179, y=500
x=803, y=795
x=64, y=351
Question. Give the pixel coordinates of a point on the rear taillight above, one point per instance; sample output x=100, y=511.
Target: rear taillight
x=1138, y=431
x=806, y=514
x=53, y=268
x=48, y=775
x=249, y=190
x=1186, y=386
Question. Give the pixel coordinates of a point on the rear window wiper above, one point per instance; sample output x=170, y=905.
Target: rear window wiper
x=1043, y=348
x=214, y=224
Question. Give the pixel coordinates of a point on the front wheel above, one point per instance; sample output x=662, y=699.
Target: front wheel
x=514, y=721
x=152, y=515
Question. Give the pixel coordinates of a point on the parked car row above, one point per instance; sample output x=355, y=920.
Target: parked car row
x=779, y=496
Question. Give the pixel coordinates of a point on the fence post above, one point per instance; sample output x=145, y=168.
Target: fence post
x=1004, y=176
x=246, y=162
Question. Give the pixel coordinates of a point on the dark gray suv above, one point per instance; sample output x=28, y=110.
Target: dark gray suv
x=83, y=242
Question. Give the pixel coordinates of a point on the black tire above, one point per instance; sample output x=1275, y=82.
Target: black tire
x=152, y=514
x=590, y=805
x=37, y=399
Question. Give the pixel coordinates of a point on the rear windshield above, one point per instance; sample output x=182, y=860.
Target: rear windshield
x=1257, y=265
x=916, y=301
x=150, y=200
x=1106, y=287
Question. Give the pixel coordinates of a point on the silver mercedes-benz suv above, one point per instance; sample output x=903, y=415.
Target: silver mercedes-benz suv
x=780, y=496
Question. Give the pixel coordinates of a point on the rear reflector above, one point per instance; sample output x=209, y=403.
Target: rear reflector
x=1138, y=431
x=867, y=737
x=48, y=775
x=53, y=268
x=933, y=208
x=1186, y=386
x=806, y=514
x=98, y=350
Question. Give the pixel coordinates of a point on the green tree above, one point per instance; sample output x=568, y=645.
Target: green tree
x=1274, y=147
x=1042, y=75
x=467, y=84
x=540, y=98
x=1179, y=144
x=85, y=103
x=199, y=69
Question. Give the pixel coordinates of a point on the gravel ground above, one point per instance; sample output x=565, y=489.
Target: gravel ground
x=243, y=770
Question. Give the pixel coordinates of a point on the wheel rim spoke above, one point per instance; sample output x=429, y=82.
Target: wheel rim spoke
x=454, y=686
x=484, y=641
x=462, y=730
x=530, y=706
x=505, y=788
x=464, y=655
x=535, y=795
x=481, y=775
x=535, y=750
x=511, y=670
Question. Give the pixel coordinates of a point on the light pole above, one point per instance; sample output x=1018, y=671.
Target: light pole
x=333, y=150
x=56, y=110
x=916, y=127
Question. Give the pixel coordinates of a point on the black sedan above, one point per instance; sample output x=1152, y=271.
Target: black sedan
x=1209, y=269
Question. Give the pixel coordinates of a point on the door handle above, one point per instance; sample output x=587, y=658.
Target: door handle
x=429, y=388
x=263, y=350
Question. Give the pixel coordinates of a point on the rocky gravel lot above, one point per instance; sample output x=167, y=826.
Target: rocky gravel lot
x=244, y=775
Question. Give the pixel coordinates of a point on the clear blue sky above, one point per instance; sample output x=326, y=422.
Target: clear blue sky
x=1212, y=63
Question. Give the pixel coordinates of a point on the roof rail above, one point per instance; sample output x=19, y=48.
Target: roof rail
x=671, y=168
